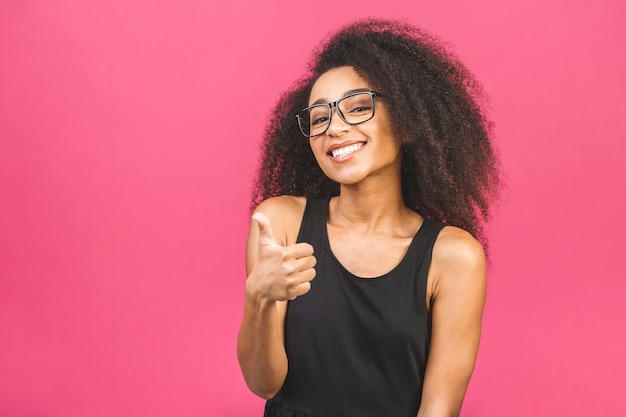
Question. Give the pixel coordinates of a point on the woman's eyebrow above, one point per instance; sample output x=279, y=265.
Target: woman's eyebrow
x=325, y=101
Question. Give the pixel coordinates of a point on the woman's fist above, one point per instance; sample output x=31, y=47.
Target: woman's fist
x=281, y=273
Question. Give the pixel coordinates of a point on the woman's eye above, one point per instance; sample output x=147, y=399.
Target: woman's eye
x=360, y=109
x=319, y=120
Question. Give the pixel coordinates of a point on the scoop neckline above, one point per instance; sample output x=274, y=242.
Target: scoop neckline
x=359, y=278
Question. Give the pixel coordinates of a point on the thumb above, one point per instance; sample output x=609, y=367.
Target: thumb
x=265, y=229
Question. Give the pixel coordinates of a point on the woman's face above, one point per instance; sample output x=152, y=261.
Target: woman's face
x=350, y=154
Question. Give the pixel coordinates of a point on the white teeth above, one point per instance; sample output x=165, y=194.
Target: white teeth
x=347, y=150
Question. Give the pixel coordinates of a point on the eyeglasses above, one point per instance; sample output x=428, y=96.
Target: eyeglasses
x=353, y=109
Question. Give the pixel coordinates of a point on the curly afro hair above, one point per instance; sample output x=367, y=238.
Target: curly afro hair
x=450, y=170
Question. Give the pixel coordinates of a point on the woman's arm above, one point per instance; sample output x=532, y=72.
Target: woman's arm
x=457, y=286
x=277, y=272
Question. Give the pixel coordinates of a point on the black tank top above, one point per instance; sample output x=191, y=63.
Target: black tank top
x=357, y=347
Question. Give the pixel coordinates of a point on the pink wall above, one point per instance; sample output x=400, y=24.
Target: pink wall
x=128, y=138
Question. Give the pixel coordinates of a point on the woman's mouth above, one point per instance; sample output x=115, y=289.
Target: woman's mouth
x=346, y=150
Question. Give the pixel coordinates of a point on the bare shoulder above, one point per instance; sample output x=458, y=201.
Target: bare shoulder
x=283, y=204
x=285, y=213
x=455, y=246
x=458, y=260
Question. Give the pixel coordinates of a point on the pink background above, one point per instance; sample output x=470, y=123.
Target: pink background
x=128, y=139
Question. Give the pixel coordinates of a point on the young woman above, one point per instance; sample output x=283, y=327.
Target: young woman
x=366, y=273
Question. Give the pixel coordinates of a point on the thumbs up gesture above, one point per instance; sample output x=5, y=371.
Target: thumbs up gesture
x=280, y=273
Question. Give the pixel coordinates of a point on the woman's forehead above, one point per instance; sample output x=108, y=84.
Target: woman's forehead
x=335, y=83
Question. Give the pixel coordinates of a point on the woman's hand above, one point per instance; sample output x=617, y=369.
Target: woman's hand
x=280, y=273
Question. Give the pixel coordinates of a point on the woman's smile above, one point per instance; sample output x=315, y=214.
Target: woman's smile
x=342, y=150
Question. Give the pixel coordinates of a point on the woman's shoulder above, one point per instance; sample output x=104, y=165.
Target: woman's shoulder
x=457, y=270
x=285, y=213
x=457, y=257
x=456, y=244
x=282, y=205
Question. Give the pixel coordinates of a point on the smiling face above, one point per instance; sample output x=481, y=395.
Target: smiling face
x=350, y=154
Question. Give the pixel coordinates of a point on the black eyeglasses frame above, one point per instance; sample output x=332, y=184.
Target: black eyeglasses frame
x=339, y=112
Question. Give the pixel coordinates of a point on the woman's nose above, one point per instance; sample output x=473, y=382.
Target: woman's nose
x=337, y=126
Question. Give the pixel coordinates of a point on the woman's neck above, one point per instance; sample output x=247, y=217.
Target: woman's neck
x=367, y=206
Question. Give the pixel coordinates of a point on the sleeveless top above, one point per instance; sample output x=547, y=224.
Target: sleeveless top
x=357, y=347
